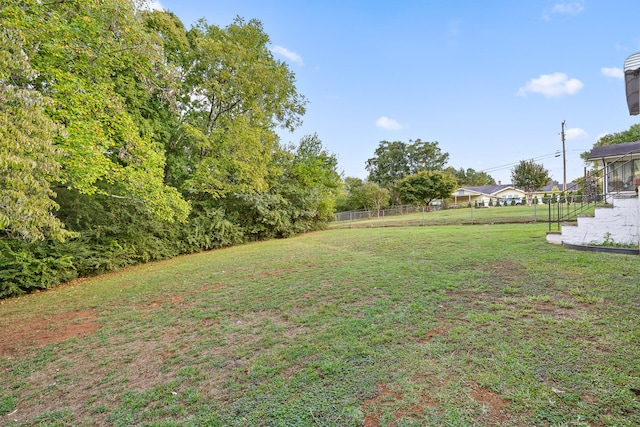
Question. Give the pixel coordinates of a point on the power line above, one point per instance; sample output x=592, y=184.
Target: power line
x=509, y=165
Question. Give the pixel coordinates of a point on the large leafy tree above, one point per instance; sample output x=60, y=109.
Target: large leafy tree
x=112, y=117
x=365, y=194
x=303, y=190
x=79, y=52
x=470, y=177
x=425, y=156
x=395, y=160
x=529, y=176
x=344, y=200
x=29, y=162
x=165, y=112
x=312, y=180
x=425, y=186
x=238, y=94
x=389, y=164
x=372, y=196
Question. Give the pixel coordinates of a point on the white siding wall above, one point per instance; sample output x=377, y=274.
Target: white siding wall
x=619, y=224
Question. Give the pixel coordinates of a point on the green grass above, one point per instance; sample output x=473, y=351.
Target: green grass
x=461, y=216
x=460, y=325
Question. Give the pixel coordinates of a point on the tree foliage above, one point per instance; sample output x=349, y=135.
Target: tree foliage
x=29, y=164
x=530, y=177
x=126, y=137
x=238, y=94
x=630, y=135
x=358, y=194
x=395, y=160
x=372, y=196
x=470, y=178
x=425, y=186
x=309, y=182
x=29, y=161
x=75, y=53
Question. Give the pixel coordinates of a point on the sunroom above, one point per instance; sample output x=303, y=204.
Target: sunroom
x=621, y=163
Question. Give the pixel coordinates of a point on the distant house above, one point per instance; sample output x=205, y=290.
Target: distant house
x=622, y=166
x=506, y=193
x=555, y=188
x=483, y=195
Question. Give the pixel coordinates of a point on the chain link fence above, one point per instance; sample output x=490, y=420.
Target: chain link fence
x=383, y=214
x=403, y=216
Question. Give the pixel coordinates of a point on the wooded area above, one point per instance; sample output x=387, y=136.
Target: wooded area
x=127, y=138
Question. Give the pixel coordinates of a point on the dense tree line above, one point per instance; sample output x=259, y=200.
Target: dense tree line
x=126, y=137
x=407, y=173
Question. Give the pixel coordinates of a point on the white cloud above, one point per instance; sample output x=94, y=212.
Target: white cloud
x=291, y=56
x=388, y=124
x=564, y=8
x=575, y=133
x=572, y=8
x=552, y=86
x=613, y=72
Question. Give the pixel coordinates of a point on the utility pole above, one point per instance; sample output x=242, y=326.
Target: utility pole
x=564, y=162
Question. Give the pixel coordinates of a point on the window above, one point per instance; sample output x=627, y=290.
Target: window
x=620, y=175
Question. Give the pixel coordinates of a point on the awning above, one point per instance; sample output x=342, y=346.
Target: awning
x=632, y=84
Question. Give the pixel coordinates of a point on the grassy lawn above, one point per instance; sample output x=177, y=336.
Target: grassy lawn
x=458, y=325
x=468, y=216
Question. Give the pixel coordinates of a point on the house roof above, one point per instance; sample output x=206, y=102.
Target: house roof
x=614, y=150
x=488, y=189
x=492, y=190
x=571, y=186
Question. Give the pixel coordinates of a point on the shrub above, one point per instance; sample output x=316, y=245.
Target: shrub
x=28, y=267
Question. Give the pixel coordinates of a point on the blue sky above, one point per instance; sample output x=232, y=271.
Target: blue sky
x=490, y=81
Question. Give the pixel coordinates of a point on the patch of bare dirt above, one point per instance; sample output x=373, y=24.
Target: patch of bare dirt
x=558, y=312
x=386, y=396
x=438, y=331
x=40, y=331
x=492, y=405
